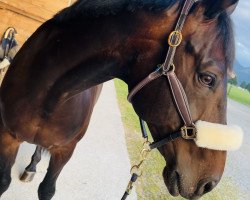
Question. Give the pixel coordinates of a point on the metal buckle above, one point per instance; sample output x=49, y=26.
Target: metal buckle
x=175, y=38
x=170, y=69
x=189, y=132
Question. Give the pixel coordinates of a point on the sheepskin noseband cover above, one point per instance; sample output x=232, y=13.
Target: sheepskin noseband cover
x=218, y=137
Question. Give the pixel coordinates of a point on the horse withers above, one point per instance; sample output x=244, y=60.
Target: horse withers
x=49, y=92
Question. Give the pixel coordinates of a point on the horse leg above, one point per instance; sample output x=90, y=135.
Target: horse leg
x=8, y=151
x=59, y=157
x=30, y=170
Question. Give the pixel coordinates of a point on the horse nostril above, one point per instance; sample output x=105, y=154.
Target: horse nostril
x=205, y=186
x=177, y=175
x=209, y=186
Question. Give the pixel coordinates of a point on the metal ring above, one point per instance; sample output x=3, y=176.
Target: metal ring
x=173, y=68
x=144, y=153
x=135, y=169
x=146, y=145
x=170, y=69
x=9, y=30
x=173, y=36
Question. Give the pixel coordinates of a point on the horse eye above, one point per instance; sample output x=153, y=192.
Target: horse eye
x=207, y=79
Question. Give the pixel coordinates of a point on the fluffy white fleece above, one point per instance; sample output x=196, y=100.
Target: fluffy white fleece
x=218, y=137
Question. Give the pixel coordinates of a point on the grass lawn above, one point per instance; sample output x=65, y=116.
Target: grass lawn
x=151, y=186
x=241, y=96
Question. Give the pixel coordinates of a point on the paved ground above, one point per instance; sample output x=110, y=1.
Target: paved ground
x=99, y=168
x=238, y=164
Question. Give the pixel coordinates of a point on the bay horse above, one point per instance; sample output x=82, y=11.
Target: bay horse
x=51, y=87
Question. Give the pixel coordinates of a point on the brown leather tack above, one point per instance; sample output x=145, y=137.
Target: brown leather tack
x=177, y=90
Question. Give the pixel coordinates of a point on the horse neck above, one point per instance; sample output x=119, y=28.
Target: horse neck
x=117, y=55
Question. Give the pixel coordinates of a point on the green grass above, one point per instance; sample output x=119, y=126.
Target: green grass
x=151, y=186
x=241, y=96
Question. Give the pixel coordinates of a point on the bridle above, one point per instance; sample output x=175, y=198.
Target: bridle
x=167, y=69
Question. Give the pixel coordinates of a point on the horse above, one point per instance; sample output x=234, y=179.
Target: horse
x=51, y=87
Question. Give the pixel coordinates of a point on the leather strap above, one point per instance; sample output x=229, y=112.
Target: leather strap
x=133, y=179
x=177, y=90
x=162, y=142
x=171, y=51
x=178, y=28
x=154, y=75
x=180, y=98
x=143, y=129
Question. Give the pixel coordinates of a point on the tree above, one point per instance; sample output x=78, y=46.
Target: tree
x=243, y=84
x=233, y=81
x=248, y=87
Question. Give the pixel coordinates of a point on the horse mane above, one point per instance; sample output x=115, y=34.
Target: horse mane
x=97, y=8
x=226, y=36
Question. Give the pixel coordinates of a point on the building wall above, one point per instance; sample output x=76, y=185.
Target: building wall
x=27, y=15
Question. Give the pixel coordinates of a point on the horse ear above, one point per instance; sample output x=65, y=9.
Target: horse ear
x=231, y=73
x=213, y=8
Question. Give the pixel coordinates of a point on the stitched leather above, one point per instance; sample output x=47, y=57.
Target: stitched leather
x=180, y=98
x=154, y=75
x=177, y=90
x=170, y=54
x=179, y=26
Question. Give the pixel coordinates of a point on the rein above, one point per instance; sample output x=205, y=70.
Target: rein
x=167, y=69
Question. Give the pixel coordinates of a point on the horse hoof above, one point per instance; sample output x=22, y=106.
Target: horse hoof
x=27, y=176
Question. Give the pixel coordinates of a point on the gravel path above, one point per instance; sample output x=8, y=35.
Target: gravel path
x=238, y=163
x=99, y=168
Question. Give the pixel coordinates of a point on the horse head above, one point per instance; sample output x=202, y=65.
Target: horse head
x=202, y=62
x=94, y=41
